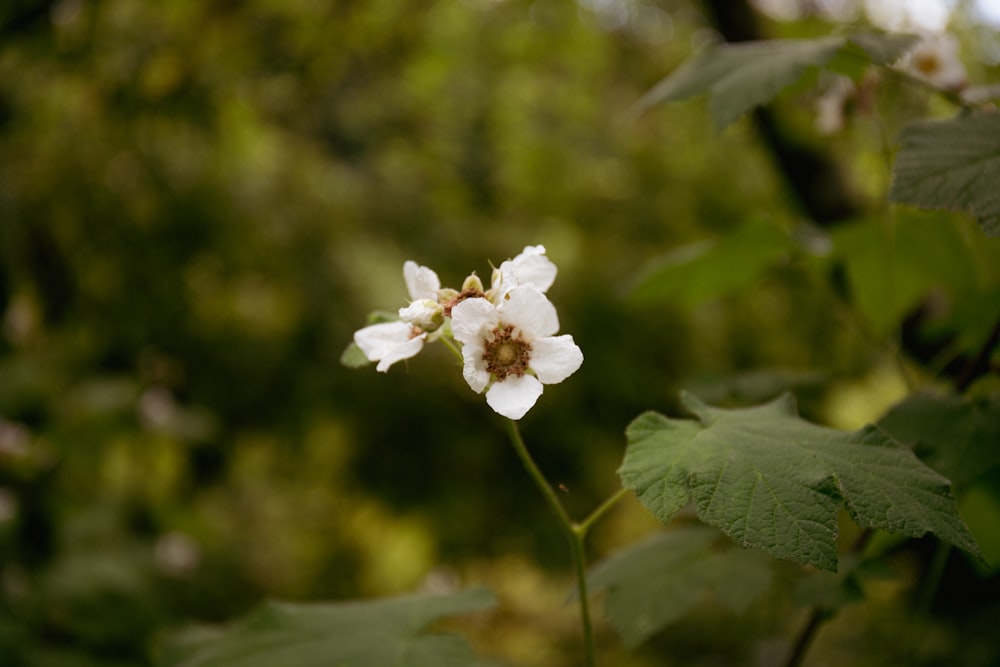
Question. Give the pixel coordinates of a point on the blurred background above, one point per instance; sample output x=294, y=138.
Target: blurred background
x=200, y=202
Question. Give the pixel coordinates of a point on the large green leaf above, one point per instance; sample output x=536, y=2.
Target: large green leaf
x=739, y=77
x=952, y=164
x=379, y=633
x=960, y=437
x=655, y=582
x=705, y=270
x=775, y=482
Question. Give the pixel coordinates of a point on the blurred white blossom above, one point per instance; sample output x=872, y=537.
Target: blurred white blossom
x=935, y=60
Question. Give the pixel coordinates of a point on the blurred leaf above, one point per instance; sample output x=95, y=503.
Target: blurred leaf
x=952, y=164
x=353, y=357
x=755, y=386
x=706, y=270
x=377, y=633
x=828, y=590
x=958, y=437
x=773, y=481
x=651, y=584
x=739, y=77
x=890, y=275
x=883, y=48
x=833, y=590
x=981, y=505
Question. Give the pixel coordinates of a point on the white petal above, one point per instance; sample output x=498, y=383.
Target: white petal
x=555, y=359
x=530, y=311
x=421, y=282
x=514, y=396
x=388, y=342
x=425, y=313
x=471, y=317
x=474, y=369
x=533, y=267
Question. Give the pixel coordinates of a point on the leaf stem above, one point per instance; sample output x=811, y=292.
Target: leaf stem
x=575, y=532
x=585, y=525
x=820, y=614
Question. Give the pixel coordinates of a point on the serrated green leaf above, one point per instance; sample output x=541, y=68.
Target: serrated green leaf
x=657, y=581
x=379, y=633
x=775, y=482
x=959, y=437
x=741, y=76
x=953, y=165
x=706, y=270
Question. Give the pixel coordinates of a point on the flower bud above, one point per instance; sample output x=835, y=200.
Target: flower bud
x=427, y=314
x=472, y=284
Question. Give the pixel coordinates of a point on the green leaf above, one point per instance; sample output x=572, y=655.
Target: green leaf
x=890, y=276
x=952, y=164
x=379, y=633
x=959, y=437
x=775, y=482
x=831, y=591
x=655, y=582
x=353, y=357
x=699, y=272
x=883, y=48
x=739, y=77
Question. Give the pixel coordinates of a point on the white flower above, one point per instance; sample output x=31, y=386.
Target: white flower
x=510, y=350
x=935, y=60
x=389, y=342
x=531, y=267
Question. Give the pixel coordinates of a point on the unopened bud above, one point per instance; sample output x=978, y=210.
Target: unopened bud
x=472, y=284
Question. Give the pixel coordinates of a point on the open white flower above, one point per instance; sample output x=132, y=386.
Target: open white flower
x=511, y=350
x=935, y=60
x=389, y=342
x=531, y=267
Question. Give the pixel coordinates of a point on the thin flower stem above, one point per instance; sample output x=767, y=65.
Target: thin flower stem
x=537, y=476
x=575, y=532
x=450, y=344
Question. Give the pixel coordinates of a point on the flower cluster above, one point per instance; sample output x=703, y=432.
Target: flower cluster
x=507, y=333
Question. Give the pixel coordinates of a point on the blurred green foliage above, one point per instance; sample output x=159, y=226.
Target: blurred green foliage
x=201, y=201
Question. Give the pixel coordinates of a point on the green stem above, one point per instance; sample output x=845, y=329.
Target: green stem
x=585, y=525
x=575, y=532
x=450, y=344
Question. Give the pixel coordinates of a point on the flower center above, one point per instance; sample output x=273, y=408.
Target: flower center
x=928, y=63
x=507, y=354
